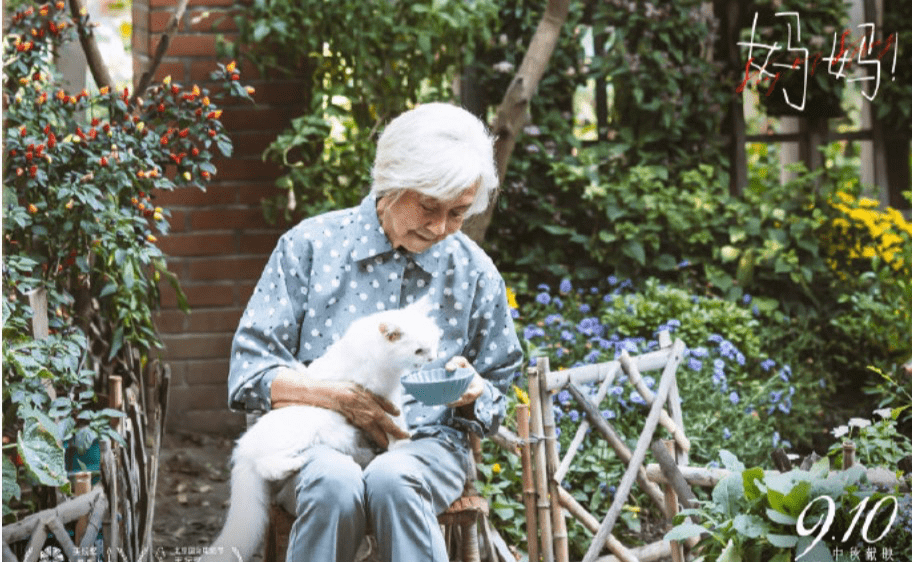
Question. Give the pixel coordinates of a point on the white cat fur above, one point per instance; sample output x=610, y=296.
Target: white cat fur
x=375, y=352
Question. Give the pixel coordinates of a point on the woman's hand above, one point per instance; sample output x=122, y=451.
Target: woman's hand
x=368, y=411
x=476, y=387
x=362, y=408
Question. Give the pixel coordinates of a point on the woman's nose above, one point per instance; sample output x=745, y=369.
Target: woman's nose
x=437, y=226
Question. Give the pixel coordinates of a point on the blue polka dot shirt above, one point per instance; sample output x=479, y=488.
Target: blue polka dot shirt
x=336, y=267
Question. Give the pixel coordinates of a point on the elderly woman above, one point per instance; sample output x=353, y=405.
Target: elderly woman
x=434, y=168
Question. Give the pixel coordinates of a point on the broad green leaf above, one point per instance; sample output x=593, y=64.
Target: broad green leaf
x=782, y=541
x=634, y=250
x=750, y=526
x=751, y=491
x=797, y=498
x=820, y=552
x=10, y=484
x=730, y=461
x=727, y=495
x=685, y=531
x=42, y=455
x=781, y=518
x=730, y=553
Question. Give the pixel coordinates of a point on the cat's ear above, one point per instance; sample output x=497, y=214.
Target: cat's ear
x=391, y=332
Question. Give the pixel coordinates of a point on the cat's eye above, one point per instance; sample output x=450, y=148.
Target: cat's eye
x=419, y=352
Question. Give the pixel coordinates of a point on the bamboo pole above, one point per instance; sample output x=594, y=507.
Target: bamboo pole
x=66, y=512
x=649, y=553
x=541, y=476
x=694, y=475
x=529, y=496
x=115, y=397
x=651, y=361
x=561, y=472
x=82, y=485
x=36, y=542
x=618, y=445
x=671, y=498
x=561, y=546
x=633, y=373
x=652, y=421
x=677, y=416
x=592, y=524
x=38, y=300
x=848, y=454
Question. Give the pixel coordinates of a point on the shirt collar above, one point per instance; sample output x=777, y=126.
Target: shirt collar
x=371, y=241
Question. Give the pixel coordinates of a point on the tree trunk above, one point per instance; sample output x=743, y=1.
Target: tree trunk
x=513, y=112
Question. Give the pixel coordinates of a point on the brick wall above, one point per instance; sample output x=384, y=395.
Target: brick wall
x=219, y=241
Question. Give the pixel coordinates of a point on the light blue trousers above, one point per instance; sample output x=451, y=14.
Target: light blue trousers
x=396, y=498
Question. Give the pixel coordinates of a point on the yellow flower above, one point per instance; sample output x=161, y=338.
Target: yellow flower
x=511, y=298
x=521, y=394
x=496, y=468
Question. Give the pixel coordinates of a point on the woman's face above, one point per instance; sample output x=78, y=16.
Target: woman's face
x=416, y=222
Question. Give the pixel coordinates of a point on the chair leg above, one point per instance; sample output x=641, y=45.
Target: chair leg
x=470, y=551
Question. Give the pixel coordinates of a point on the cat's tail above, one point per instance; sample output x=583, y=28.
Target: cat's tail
x=248, y=515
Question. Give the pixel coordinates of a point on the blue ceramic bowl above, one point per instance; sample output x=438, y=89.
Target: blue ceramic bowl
x=433, y=387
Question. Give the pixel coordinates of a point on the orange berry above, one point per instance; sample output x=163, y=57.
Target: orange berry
x=32, y=208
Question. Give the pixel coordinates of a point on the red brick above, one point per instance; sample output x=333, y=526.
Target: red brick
x=197, y=244
x=158, y=21
x=173, y=69
x=139, y=15
x=252, y=143
x=187, y=45
x=249, y=169
x=259, y=118
x=197, y=346
x=253, y=193
x=227, y=268
x=212, y=20
x=214, y=320
x=222, y=219
x=261, y=243
x=213, y=371
x=178, y=220
x=199, y=397
x=215, y=194
x=244, y=292
x=199, y=295
x=170, y=321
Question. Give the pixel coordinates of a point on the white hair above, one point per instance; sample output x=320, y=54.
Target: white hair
x=439, y=150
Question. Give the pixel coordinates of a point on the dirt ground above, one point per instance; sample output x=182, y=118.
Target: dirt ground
x=192, y=495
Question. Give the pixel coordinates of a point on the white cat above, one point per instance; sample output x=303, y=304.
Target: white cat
x=375, y=352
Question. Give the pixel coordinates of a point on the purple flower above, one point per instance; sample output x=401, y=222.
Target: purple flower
x=695, y=364
x=698, y=352
x=756, y=310
x=786, y=373
x=776, y=438
x=608, y=414
x=592, y=356
x=566, y=286
x=573, y=415
x=726, y=433
x=684, y=263
x=609, y=298
x=514, y=313
x=553, y=319
x=636, y=398
x=718, y=364
x=649, y=380
x=734, y=397
x=543, y=298
x=566, y=335
x=558, y=302
x=545, y=288
x=532, y=331
x=715, y=338
x=590, y=326
x=616, y=390
x=767, y=365
x=584, y=308
x=612, y=280
x=746, y=299
x=563, y=396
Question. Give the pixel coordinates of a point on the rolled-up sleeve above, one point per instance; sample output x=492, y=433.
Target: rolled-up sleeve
x=495, y=352
x=268, y=335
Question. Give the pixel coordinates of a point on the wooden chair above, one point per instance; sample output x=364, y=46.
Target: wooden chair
x=459, y=523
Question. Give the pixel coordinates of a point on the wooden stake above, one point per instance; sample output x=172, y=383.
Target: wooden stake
x=671, y=498
x=561, y=546
x=633, y=373
x=652, y=421
x=541, y=474
x=529, y=496
x=618, y=445
x=115, y=397
x=82, y=485
x=591, y=523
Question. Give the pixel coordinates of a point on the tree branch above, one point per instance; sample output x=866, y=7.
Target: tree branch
x=87, y=38
x=160, y=50
x=513, y=112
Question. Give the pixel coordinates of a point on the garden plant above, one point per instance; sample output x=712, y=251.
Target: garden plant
x=81, y=171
